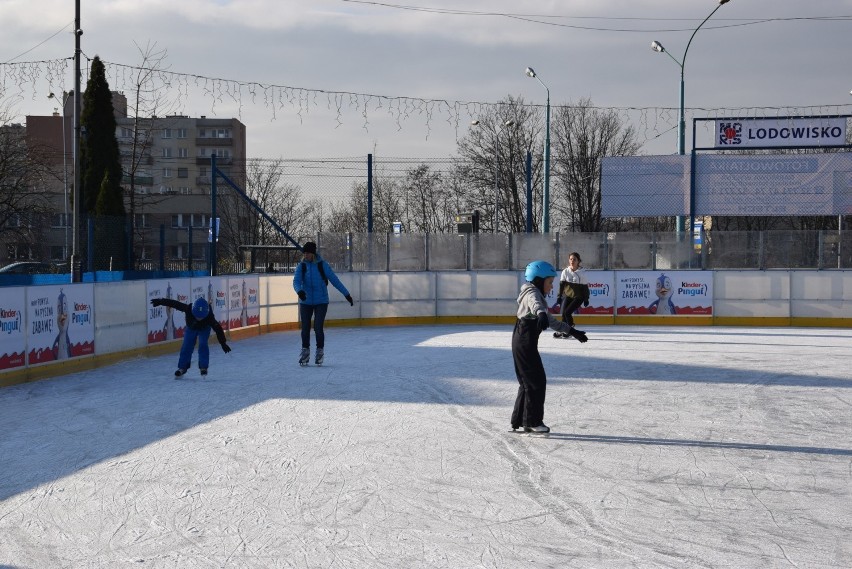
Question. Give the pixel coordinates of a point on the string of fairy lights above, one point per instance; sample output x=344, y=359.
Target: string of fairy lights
x=36, y=79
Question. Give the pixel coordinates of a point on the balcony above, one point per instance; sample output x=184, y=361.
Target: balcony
x=204, y=160
x=214, y=141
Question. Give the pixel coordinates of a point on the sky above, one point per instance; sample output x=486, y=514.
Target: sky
x=273, y=63
x=671, y=447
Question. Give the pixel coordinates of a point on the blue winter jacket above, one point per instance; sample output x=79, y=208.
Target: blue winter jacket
x=310, y=280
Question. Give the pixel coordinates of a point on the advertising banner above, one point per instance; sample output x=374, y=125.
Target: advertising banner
x=645, y=186
x=13, y=339
x=166, y=323
x=215, y=290
x=686, y=293
x=774, y=132
x=243, y=302
x=60, y=322
x=760, y=185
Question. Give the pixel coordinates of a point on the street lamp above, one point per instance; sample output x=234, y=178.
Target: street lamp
x=545, y=225
x=508, y=123
x=681, y=130
x=64, y=169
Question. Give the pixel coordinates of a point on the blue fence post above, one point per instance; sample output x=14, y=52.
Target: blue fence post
x=189, y=248
x=211, y=261
x=162, y=246
x=369, y=193
x=529, y=191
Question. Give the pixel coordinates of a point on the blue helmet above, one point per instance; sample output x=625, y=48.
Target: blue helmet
x=200, y=308
x=540, y=269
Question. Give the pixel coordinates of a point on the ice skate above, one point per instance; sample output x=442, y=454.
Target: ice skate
x=319, y=357
x=560, y=335
x=540, y=430
x=579, y=335
x=305, y=356
x=179, y=372
x=203, y=371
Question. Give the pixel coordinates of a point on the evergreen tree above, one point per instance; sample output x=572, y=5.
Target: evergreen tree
x=99, y=154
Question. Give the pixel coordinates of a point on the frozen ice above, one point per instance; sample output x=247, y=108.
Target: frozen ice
x=670, y=447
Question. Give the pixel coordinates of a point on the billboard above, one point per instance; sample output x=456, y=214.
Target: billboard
x=60, y=321
x=780, y=132
x=687, y=293
x=164, y=322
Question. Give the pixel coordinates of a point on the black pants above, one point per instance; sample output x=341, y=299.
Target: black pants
x=529, y=404
x=317, y=311
x=569, y=307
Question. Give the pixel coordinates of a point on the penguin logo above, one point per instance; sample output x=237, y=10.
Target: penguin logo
x=664, y=290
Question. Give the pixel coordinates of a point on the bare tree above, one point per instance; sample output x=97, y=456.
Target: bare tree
x=25, y=175
x=148, y=104
x=496, y=150
x=582, y=136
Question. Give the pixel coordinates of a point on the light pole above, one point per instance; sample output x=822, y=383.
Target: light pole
x=681, y=127
x=508, y=123
x=64, y=170
x=545, y=224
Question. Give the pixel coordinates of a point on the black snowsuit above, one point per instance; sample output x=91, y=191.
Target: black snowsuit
x=529, y=403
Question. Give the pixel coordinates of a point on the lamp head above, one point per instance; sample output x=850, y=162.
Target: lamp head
x=657, y=46
x=722, y=2
x=474, y=122
x=51, y=95
x=509, y=123
x=530, y=72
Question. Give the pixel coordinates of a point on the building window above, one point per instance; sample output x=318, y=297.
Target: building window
x=181, y=133
x=60, y=220
x=183, y=153
x=167, y=172
x=184, y=190
x=167, y=152
x=177, y=220
x=141, y=220
x=57, y=252
x=167, y=133
x=183, y=172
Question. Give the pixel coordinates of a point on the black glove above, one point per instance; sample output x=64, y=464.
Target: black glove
x=302, y=295
x=543, y=321
x=559, y=300
x=349, y=298
x=586, y=302
x=156, y=302
x=226, y=348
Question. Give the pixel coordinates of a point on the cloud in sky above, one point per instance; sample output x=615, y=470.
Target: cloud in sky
x=479, y=55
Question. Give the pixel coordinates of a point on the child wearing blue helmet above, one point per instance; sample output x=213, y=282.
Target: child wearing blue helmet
x=199, y=321
x=533, y=319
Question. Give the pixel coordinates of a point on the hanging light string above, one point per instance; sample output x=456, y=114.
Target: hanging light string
x=17, y=80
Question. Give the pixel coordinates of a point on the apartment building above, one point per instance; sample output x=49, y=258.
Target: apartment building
x=167, y=181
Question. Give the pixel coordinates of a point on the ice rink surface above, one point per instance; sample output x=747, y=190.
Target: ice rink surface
x=671, y=447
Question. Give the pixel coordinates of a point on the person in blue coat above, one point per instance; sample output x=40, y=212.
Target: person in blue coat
x=311, y=284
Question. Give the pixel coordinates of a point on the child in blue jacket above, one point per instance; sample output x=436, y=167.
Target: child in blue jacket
x=199, y=321
x=311, y=284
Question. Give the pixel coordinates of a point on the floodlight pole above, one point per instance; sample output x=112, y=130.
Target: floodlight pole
x=76, y=262
x=681, y=125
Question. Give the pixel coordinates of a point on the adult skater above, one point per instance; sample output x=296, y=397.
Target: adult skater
x=533, y=319
x=311, y=284
x=573, y=291
x=199, y=321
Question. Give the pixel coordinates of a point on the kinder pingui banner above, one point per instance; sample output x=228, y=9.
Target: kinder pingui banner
x=164, y=322
x=215, y=291
x=243, y=302
x=601, y=293
x=13, y=339
x=60, y=322
x=684, y=293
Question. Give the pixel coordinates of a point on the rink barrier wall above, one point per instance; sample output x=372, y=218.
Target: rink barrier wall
x=740, y=298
